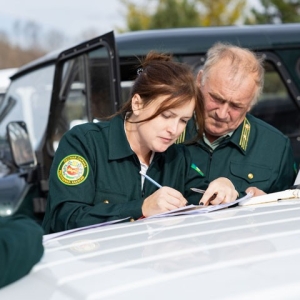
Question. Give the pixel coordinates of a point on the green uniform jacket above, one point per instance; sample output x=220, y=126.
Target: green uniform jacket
x=95, y=177
x=21, y=247
x=256, y=154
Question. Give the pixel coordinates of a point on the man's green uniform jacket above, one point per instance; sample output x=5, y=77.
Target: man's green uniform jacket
x=95, y=177
x=256, y=154
x=21, y=247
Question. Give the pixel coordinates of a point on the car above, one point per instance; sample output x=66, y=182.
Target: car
x=236, y=253
x=279, y=103
x=5, y=80
x=91, y=81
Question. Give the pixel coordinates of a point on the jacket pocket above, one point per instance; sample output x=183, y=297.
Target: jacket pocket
x=110, y=197
x=250, y=172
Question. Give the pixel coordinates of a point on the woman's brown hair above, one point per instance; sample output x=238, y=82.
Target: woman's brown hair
x=159, y=75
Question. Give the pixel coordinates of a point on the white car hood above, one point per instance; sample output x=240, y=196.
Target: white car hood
x=250, y=252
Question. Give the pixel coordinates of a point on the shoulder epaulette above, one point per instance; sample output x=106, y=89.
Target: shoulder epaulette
x=181, y=138
x=245, y=134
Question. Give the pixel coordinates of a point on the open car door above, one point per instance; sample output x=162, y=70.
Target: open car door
x=84, y=87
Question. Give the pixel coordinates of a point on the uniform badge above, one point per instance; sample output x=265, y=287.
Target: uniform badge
x=82, y=246
x=73, y=170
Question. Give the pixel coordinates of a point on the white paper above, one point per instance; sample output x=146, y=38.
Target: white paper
x=198, y=209
x=272, y=197
x=51, y=236
x=297, y=180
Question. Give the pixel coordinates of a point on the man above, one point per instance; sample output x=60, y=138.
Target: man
x=255, y=156
x=21, y=247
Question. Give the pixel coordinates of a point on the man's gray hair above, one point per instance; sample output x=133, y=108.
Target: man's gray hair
x=242, y=60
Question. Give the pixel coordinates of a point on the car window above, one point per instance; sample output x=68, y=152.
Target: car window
x=1, y=97
x=101, y=91
x=72, y=98
x=85, y=91
x=275, y=105
x=28, y=99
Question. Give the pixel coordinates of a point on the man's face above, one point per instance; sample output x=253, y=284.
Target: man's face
x=227, y=99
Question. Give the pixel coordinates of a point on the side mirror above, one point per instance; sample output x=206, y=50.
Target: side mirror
x=19, y=141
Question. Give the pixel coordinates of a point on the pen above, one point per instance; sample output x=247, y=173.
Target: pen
x=150, y=179
x=198, y=190
x=153, y=181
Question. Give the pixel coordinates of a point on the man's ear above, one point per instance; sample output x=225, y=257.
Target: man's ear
x=199, y=78
x=137, y=104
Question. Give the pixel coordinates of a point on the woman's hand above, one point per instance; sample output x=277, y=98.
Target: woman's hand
x=220, y=190
x=162, y=200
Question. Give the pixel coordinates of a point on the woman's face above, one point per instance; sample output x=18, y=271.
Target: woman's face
x=161, y=132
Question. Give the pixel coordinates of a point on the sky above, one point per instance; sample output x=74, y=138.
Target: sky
x=67, y=16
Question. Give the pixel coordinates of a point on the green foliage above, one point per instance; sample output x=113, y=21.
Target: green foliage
x=157, y=14
x=175, y=14
x=137, y=18
x=221, y=12
x=275, y=11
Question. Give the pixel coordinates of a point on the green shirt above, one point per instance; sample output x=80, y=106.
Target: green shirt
x=20, y=247
x=213, y=145
x=95, y=177
x=256, y=154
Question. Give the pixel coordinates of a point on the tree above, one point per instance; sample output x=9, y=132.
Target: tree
x=276, y=11
x=175, y=14
x=31, y=32
x=137, y=17
x=157, y=14
x=221, y=12
x=12, y=56
x=54, y=39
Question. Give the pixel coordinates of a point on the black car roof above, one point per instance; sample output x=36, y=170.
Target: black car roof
x=194, y=40
x=197, y=40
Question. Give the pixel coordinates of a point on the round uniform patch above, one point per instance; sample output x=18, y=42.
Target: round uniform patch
x=73, y=170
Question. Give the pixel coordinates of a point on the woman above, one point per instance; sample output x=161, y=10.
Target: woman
x=95, y=176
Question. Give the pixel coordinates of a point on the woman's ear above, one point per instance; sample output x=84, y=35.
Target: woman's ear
x=137, y=104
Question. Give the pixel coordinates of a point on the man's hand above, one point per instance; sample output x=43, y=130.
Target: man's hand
x=254, y=191
x=162, y=200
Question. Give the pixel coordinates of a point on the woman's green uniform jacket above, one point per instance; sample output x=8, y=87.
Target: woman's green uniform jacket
x=21, y=247
x=256, y=154
x=95, y=177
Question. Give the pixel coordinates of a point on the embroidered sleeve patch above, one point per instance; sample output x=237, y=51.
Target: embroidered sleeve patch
x=73, y=170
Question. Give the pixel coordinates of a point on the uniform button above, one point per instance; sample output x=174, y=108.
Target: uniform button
x=106, y=201
x=250, y=176
x=131, y=220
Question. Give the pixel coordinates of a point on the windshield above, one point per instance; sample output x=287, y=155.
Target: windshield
x=1, y=97
x=28, y=99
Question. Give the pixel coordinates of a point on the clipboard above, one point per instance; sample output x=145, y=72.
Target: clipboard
x=272, y=197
